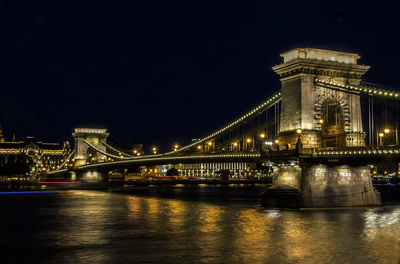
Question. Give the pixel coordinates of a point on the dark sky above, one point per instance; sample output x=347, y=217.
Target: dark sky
x=167, y=71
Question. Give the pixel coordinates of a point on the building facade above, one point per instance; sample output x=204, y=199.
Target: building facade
x=41, y=157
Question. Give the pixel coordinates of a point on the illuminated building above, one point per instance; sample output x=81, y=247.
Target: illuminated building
x=45, y=156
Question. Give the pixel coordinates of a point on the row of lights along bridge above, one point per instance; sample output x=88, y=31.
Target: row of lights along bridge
x=248, y=144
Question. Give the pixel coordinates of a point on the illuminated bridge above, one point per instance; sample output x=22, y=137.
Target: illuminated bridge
x=319, y=136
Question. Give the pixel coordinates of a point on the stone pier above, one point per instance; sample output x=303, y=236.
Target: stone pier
x=92, y=177
x=321, y=185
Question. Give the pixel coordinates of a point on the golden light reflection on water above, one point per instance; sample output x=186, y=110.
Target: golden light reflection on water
x=209, y=233
x=297, y=231
x=86, y=226
x=253, y=237
x=176, y=213
x=134, y=207
x=209, y=217
x=382, y=232
x=215, y=233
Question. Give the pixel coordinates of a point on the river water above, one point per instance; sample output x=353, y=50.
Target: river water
x=156, y=225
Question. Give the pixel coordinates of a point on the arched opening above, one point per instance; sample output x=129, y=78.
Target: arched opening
x=332, y=127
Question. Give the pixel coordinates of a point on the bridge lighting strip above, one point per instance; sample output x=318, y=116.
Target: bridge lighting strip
x=103, y=152
x=62, y=165
x=270, y=101
x=170, y=158
x=114, y=149
x=57, y=171
x=359, y=152
x=363, y=89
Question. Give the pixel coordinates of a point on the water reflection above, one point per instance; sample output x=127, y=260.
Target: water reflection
x=382, y=232
x=83, y=229
x=100, y=227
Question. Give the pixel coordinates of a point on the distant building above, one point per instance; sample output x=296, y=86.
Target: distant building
x=45, y=156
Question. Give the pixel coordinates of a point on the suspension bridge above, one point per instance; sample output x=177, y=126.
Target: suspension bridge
x=319, y=135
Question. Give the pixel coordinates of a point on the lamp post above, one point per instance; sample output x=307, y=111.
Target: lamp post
x=262, y=136
x=235, y=146
x=210, y=145
x=248, y=140
x=298, y=131
x=380, y=138
x=387, y=131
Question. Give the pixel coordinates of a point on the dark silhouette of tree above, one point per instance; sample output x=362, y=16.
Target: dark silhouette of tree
x=224, y=175
x=172, y=172
x=19, y=164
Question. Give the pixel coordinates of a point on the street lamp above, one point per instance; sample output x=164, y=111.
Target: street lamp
x=380, y=137
x=209, y=145
x=298, y=131
x=262, y=135
x=235, y=146
x=387, y=131
x=248, y=140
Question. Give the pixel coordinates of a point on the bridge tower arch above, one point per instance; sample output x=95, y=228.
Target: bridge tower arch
x=94, y=137
x=305, y=103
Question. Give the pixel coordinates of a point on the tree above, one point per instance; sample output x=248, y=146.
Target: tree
x=224, y=175
x=172, y=172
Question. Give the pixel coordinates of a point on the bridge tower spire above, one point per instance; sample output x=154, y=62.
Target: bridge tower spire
x=326, y=117
x=85, y=136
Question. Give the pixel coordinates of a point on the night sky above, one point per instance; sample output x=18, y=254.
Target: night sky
x=167, y=71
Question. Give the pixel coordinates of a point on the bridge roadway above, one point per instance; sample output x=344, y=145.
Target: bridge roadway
x=161, y=160
x=359, y=155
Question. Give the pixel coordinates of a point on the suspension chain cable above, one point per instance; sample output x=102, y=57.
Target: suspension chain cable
x=114, y=149
x=70, y=155
x=103, y=152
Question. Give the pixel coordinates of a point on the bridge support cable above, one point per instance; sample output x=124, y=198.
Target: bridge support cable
x=62, y=165
x=271, y=101
x=114, y=149
x=103, y=152
x=118, y=157
x=376, y=91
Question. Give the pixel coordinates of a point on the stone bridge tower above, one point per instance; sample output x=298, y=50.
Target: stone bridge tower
x=321, y=117
x=82, y=150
